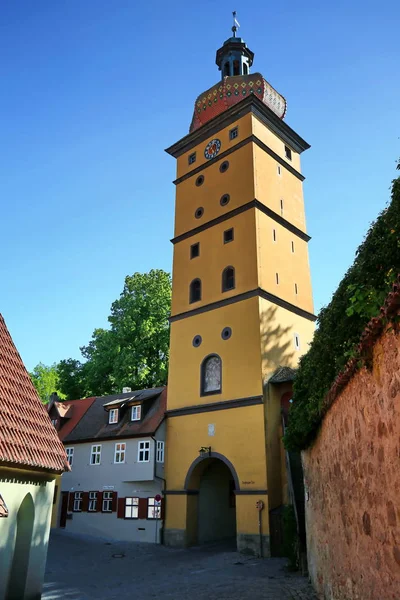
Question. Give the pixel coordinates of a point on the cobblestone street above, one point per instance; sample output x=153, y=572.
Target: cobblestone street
x=80, y=568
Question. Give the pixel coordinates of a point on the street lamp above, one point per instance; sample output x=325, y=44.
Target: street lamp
x=204, y=451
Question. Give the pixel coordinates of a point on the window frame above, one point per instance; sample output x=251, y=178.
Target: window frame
x=281, y=204
x=78, y=498
x=279, y=169
x=160, y=450
x=70, y=455
x=224, y=279
x=195, y=246
x=108, y=499
x=234, y=133
x=203, y=392
x=93, y=501
x=131, y=506
x=138, y=409
x=274, y=235
x=95, y=453
x=288, y=153
x=113, y=412
x=156, y=507
x=231, y=230
x=192, y=158
x=296, y=339
x=193, y=300
x=144, y=446
x=119, y=452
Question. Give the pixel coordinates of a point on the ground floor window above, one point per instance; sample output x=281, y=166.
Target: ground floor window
x=92, y=502
x=131, y=508
x=107, y=501
x=153, y=509
x=78, y=501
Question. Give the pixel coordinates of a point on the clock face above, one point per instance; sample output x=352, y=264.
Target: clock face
x=212, y=149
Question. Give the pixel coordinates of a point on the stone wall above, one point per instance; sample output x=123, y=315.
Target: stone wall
x=352, y=478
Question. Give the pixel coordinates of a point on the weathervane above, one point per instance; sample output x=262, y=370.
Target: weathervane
x=236, y=24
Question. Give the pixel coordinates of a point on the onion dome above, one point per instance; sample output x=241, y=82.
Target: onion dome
x=234, y=60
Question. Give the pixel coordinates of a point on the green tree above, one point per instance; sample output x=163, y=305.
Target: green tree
x=71, y=376
x=46, y=381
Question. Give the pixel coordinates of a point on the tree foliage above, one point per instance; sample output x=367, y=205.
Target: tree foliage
x=358, y=297
x=46, y=381
x=134, y=350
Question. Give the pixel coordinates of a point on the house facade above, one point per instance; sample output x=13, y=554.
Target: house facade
x=116, y=452
x=31, y=457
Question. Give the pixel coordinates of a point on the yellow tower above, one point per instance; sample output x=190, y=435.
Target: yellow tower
x=241, y=307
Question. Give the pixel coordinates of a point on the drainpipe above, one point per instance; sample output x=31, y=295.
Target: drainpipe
x=164, y=484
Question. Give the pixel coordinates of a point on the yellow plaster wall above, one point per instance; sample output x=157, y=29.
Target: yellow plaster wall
x=278, y=326
x=240, y=354
x=277, y=257
x=270, y=188
x=247, y=514
x=237, y=181
x=214, y=257
x=271, y=140
x=244, y=126
x=56, y=503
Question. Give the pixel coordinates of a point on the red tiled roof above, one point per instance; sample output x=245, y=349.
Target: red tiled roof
x=74, y=411
x=27, y=437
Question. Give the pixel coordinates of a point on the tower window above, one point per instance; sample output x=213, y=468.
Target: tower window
x=236, y=67
x=277, y=278
x=224, y=166
x=274, y=234
x=200, y=180
x=224, y=200
x=281, y=208
x=228, y=235
x=195, y=250
x=245, y=69
x=279, y=169
x=226, y=333
x=228, y=279
x=226, y=69
x=233, y=134
x=211, y=375
x=196, y=341
x=292, y=246
x=195, y=291
x=297, y=341
x=295, y=288
x=288, y=153
x=192, y=158
x=199, y=212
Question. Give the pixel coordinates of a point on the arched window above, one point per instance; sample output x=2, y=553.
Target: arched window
x=226, y=69
x=195, y=291
x=228, y=279
x=245, y=69
x=211, y=375
x=236, y=67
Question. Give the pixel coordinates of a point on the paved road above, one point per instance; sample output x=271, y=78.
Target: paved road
x=82, y=568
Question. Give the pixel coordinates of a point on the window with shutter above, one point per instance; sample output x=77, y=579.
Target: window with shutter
x=107, y=502
x=131, y=508
x=92, y=502
x=142, y=512
x=153, y=509
x=121, y=508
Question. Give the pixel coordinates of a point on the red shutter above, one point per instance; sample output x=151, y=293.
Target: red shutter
x=99, y=501
x=85, y=501
x=142, y=512
x=121, y=508
x=163, y=508
x=71, y=502
x=114, y=501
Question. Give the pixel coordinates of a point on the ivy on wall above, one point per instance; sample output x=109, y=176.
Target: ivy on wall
x=357, y=299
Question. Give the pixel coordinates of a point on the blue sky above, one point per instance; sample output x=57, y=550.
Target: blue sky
x=93, y=91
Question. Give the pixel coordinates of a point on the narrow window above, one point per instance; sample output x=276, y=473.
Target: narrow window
x=227, y=69
x=228, y=279
x=228, y=235
x=195, y=250
x=274, y=234
x=160, y=452
x=297, y=341
x=144, y=452
x=295, y=288
x=95, y=455
x=233, y=133
x=153, y=508
x=236, y=67
x=119, y=455
x=192, y=158
x=195, y=291
x=136, y=413
x=277, y=278
x=288, y=153
x=281, y=207
x=70, y=455
x=92, y=502
x=131, y=508
x=113, y=416
x=107, y=502
x=292, y=246
x=279, y=169
x=78, y=496
x=245, y=69
x=211, y=375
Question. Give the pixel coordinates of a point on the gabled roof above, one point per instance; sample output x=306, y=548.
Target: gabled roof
x=282, y=375
x=27, y=437
x=94, y=423
x=72, y=411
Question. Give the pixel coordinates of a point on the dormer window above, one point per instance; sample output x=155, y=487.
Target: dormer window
x=113, y=416
x=136, y=413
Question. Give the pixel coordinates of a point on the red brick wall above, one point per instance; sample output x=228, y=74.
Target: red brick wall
x=352, y=476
